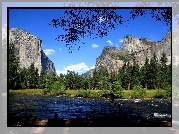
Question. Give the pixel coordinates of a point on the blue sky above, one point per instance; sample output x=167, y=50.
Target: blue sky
x=35, y=21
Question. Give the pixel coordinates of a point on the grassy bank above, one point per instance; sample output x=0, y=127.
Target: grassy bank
x=89, y=93
x=27, y=91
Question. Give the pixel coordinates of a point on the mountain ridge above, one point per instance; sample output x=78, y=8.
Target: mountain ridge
x=133, y=49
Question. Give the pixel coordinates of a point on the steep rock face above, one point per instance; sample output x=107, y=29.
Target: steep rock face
x=28, y=48
x=133, y=49
x=47, y=64
x=109, y=59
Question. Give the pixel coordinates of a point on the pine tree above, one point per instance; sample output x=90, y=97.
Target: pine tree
x=103, y=79
x=145, y=74
x=126, y=79
x=95, y=80
x=13, y=68
x=154, y=73
x=32, y=76
x=41, y=79
x=135, y=75
x=70, y=79
x=22, y=73
x=163, y=69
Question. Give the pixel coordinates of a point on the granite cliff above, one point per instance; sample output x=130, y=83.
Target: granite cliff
x=28, y=48
x=133, y=49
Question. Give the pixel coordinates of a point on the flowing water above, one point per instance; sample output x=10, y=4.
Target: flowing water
x=44, y=107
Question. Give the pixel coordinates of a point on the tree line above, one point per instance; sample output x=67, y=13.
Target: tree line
x=153, y=75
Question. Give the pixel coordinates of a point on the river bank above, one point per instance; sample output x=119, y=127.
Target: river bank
x=89, y=93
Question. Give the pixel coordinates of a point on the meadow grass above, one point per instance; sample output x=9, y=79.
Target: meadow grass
x=27, y=91
x=82, y=93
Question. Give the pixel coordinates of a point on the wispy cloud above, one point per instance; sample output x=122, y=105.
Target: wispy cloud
x=60, y=48
x=94, y=45
x=80, y=68
x=121, y=40
x=49, y=51
x=110, y=42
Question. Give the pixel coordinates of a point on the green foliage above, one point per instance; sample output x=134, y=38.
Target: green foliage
x=160, y=93
x=127, y=79
x=135, y=75
x=155, y=73
x=151, y=76
x=138, y=91
x=58, y=88
x=145, y=74
x=165, y=86
x=53, y=92
x=106, y=93
x=117, y=89
x=13, y=68
x=32, y=76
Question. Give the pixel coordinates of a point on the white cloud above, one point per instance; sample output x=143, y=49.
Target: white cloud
x=94, y=45
x=120, y=40
x=80, y=68
x=48, y=51
x=60, y=48
x=110, y=42
x=117, y=45
x=61, y=72
x=86, y=69
x=92, y=67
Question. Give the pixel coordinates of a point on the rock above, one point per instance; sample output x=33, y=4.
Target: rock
x=28, y=48
x=47, y=64
x=133, y=49
x=88, y=73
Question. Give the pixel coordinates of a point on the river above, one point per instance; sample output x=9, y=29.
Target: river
x=44, y=107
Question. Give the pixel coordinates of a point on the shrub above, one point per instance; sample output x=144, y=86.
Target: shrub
x=46, y=90
x=106, y=93
x=53, y=92
x=167, y=88
x=138, y=91
x=117, y=90
x=22, y=85
x=80, y=93
x=62, y=90
x=160, y=93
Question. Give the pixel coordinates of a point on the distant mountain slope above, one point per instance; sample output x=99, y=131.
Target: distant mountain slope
x=88, y=73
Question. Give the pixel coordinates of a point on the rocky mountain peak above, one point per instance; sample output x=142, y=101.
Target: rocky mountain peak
x=28, y=48
x=131, y=44
x=133, y=49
